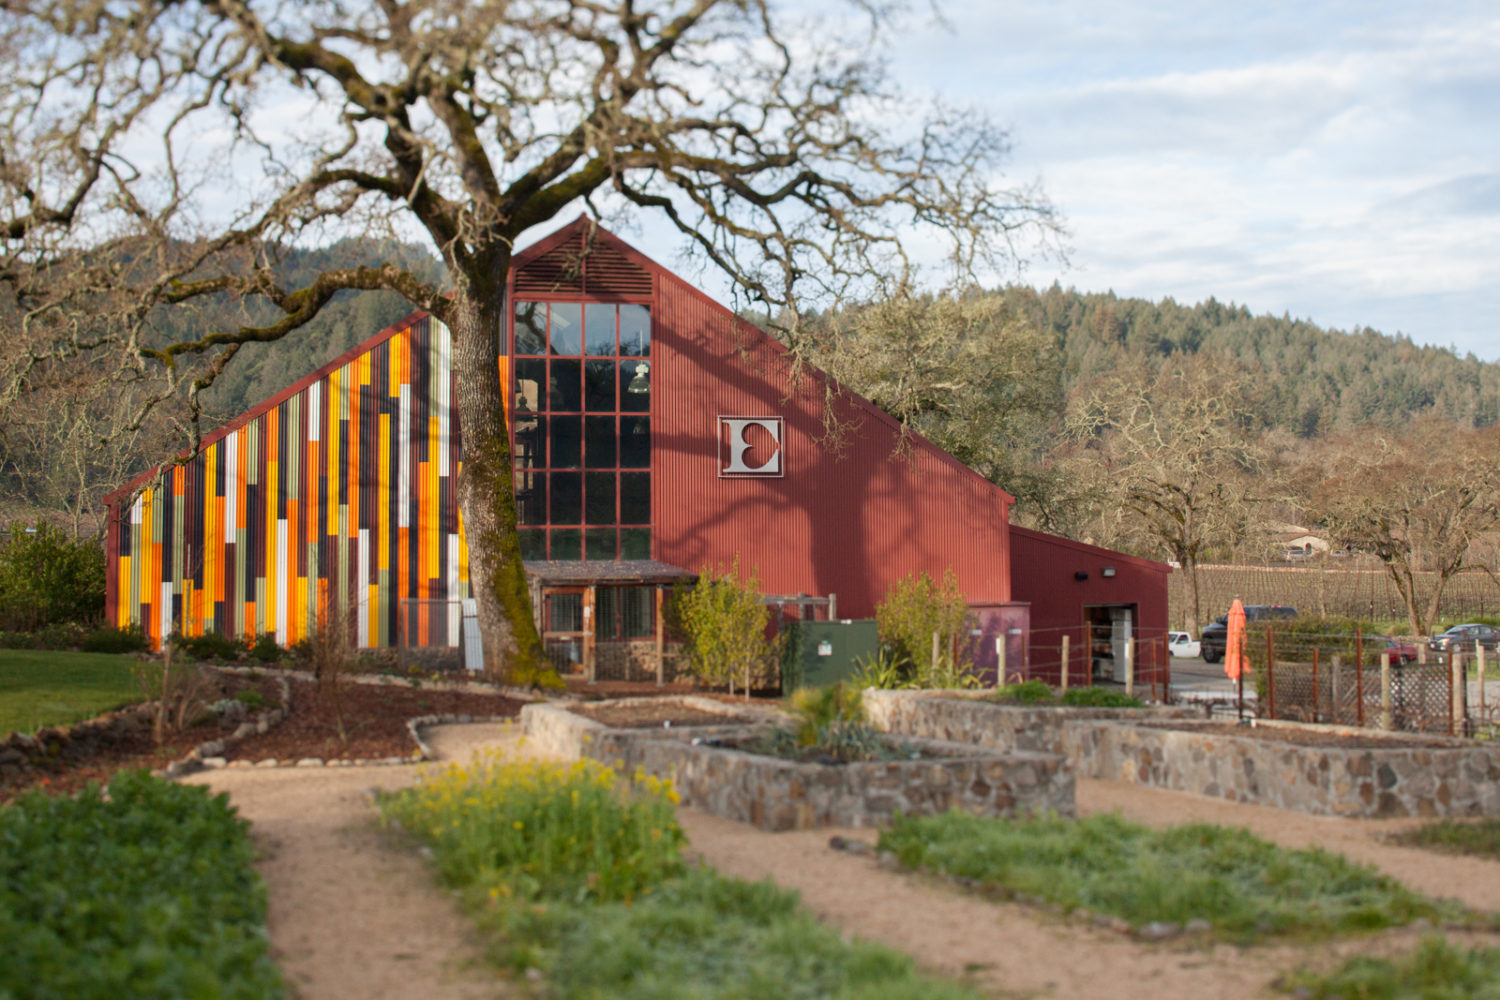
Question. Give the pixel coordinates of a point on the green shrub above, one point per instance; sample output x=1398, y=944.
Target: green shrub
x=1027, y=691
x=1436, y=971
x=208, y=646
x=131, y=639
x=723, y=624
x=47, y=578
x=1246, y=886
x=1098, y=697
x=1477, y=837
x=148, y=893
x=914, y=610
x=818, y=708
x=543, y=829
x=265, y=649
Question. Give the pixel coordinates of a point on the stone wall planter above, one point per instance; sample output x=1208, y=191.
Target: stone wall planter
x=963, y=718
x=777, y=794
x=1462, y=779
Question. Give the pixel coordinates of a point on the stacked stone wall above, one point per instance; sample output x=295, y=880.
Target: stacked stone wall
x=1462, y=779
x=776, y=794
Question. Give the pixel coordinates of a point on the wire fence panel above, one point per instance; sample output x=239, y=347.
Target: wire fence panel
x=1336, y=693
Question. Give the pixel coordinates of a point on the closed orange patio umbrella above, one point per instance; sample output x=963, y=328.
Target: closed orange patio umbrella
x=1234, y=641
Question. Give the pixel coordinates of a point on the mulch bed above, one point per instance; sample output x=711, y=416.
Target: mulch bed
x=136, y=748
x=652, y=715
x=1297, y=736
x=374, y=724
x=373, y=719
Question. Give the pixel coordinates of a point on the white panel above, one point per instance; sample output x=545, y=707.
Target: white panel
x=473, y=645
x=444, y=375
x=455, y=608
x=283, y=598
x=231, y=483
x=362, y=583
x=314, y=406
x=164, y=602
x=136, y=509
x=403, y=459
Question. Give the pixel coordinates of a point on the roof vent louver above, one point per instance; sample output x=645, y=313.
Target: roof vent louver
x=578, y=267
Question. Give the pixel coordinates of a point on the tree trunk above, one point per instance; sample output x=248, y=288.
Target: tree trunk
x=486, y=492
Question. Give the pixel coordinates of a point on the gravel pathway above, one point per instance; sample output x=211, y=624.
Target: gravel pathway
x=354, y=915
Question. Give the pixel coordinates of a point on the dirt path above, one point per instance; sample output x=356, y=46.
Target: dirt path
x=352, y=915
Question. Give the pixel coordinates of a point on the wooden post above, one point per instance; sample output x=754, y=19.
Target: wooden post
x=1063, y=678
x=588, y=632
x=1001, y=642
x=1130, y=668
x=1270, y=675
x=937, y=645
x=1387, y=721
x=661, y=638
x=1166, y=662
x=1359, y=677
x=1333, y=707
x=1479, y=651
x=1316, y=690
x=1455, y=704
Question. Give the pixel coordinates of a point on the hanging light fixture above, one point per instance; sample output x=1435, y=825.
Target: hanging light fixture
x=639, y=384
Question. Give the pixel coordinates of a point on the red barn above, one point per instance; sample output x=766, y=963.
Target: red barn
x=654, y=433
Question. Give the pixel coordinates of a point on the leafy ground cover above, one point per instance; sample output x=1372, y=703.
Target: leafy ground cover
x=1039, y=693
x=576, y=871
x=1436, y=971
x=1477, y=837
x=1247, y=888
x=45, y=688
x=148, y=892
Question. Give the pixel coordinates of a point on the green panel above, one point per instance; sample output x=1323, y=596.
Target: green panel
x=822, y=653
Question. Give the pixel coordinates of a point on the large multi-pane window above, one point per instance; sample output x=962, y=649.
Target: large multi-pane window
x=583, y=430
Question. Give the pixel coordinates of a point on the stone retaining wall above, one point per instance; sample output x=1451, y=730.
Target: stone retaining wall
x=554, y=730
x=776, y=794
x=1378, y=782
x=960, y=718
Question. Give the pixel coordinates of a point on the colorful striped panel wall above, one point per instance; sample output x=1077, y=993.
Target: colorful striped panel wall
x=333, y=503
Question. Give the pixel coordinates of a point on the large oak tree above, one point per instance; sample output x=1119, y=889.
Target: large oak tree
x=156, y=153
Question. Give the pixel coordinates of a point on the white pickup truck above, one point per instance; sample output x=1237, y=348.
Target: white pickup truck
x=1182, y=645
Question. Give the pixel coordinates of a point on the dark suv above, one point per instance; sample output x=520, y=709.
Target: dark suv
x=1214, y=635
x=1463, y=639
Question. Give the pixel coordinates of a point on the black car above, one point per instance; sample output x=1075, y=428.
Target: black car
x=1212, y=641
x=1463, y=639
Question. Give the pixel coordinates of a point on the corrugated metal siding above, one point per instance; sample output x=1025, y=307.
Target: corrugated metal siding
x=850, y=524
x=338, y=496
x=1044, y=574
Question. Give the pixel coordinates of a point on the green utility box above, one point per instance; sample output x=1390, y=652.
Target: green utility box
x=821, y=653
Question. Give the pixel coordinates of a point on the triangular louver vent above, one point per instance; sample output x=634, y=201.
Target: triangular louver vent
x=574, y=267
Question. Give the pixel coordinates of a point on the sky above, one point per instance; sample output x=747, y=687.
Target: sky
x=1335, y=161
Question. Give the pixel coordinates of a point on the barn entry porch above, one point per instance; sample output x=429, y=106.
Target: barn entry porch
x=602, y=618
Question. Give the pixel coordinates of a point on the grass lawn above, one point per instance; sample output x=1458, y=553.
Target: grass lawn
x=1477, y=837
x=44, y=688
x=1247, y=888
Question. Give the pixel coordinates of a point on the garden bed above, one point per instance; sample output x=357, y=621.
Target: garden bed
x=971, y=718
x=1324, y=770
x=712, y=773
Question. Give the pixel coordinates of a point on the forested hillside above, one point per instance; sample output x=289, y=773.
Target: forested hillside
x=1316, y=381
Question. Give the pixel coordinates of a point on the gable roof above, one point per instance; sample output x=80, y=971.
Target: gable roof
x=559, y=265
